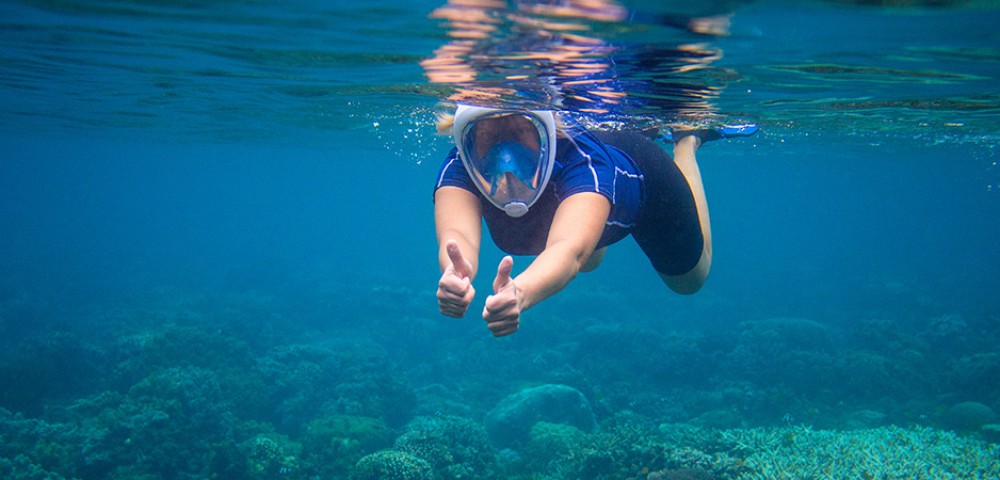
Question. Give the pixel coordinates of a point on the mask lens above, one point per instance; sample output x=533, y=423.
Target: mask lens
x=505, y=144
x=512, y=161
x=508, y=155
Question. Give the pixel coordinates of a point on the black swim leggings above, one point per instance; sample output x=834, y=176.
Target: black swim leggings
x=668, y=229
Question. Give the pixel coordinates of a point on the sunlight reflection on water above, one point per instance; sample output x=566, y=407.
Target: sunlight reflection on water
x=569, y=57
x=237, y=71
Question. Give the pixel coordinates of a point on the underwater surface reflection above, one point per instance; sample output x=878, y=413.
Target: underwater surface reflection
x=217, y=253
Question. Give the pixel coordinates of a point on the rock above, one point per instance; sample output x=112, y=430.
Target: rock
x=721, y=419
x=969, y=416
x=990, y=432
x=510, y=422
x=865, y=419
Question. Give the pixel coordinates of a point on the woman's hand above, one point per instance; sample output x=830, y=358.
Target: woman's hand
x=455, y=291
x=503, y=309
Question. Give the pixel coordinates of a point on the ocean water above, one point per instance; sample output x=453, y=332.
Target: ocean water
x=217, y=252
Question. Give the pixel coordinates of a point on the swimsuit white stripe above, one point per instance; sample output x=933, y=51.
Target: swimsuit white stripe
x=593, y=173
x=625, y=172
x=619, y=171
x=445, y=170
x=614, y=187
x=619, y=224
x=614, y=182
x=590, y=164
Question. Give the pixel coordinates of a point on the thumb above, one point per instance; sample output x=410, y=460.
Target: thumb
x=503, y=273
x=462, y=267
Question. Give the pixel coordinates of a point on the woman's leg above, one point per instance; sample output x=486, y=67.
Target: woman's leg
x=596, y=257
x=684, y=157
x=673, y=229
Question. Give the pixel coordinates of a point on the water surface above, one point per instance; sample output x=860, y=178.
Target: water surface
x=253, y=180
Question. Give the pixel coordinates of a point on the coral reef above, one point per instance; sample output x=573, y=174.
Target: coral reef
x=783, y=351
x=348, y=378
x=334, y=443
x=889, y=452
x=196, y=387
x=392, y=465
x=553, y=440
x=510, y=422
x=271, y=456
x=969, y=416
x=455, y=447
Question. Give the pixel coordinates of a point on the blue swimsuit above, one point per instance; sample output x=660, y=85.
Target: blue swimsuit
x=658, y=209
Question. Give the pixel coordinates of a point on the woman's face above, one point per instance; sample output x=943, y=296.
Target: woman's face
x=510, y=128
x=505, y=128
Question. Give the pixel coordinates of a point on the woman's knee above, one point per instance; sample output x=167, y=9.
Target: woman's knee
x=692, y=280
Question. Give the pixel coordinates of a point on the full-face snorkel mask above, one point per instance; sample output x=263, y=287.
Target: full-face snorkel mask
x=508, y=153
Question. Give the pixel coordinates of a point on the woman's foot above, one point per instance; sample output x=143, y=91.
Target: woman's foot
x=710, y=134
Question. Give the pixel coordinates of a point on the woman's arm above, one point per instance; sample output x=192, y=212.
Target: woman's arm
x=458, y=221
x=576, y=228
x=458, y=216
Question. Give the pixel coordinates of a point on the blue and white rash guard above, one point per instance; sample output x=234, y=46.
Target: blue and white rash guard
x=582, y=164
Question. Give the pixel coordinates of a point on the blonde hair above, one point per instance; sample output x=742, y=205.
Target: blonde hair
x=444, y=122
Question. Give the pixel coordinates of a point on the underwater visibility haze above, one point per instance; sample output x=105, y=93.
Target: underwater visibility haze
x=218, y=258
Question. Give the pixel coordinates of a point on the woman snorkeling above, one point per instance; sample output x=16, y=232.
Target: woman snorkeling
x=548, y=187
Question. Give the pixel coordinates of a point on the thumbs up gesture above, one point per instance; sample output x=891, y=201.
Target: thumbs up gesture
x=455, y=291
x=503, y=310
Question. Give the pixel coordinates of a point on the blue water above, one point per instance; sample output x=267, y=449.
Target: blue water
x=255, y=177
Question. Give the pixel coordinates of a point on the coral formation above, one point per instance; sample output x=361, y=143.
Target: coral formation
x=969, y=416
x=510, y=422
x=783, y=351
x=392, y=465
x=888, y=452
x=202, y=395
x=455, y=447
x=553, y=440
x=270, y=456
x=679, y=474
x=336, y=442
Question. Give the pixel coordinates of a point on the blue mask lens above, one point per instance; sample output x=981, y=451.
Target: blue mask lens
x=508, y=154
x=513, y=158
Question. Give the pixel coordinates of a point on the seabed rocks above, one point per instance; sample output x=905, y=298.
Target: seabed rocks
x=509, y=423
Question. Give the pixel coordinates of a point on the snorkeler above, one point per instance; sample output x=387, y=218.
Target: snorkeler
x=548, y=187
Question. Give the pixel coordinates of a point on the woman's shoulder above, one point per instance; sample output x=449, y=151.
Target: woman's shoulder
x=577, y=144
